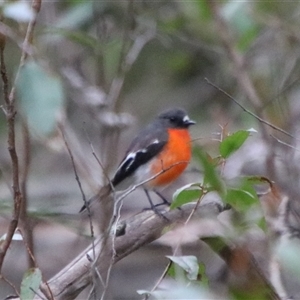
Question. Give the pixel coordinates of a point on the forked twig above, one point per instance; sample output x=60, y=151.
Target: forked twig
x=10, y=113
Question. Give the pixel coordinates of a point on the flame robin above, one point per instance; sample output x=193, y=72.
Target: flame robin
x=157, y=155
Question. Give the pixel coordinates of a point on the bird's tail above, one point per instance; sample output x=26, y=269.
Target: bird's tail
x=103, y=193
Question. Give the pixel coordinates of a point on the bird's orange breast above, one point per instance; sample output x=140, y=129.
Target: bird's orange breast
x=173, y=159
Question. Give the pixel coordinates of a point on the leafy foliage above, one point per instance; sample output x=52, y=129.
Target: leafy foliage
x=186, y=194
x=232, y=143
x=30, y=283
x=91, y=61
x=42, y=98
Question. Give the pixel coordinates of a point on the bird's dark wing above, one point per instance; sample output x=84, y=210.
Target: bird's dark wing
x=142, y=149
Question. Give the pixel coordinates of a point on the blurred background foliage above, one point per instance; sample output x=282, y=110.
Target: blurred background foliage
x=101, y=69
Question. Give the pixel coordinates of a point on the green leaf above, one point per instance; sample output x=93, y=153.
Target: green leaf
x=30, y=283
x=242, y=197
x=217, y=244
x=188, y=263
x=41, y=96
x=202, y=274
x=186, y=194
x=212, y=179
x=233, y=142
x=172, y=271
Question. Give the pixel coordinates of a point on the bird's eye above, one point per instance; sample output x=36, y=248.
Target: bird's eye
x=172, y=119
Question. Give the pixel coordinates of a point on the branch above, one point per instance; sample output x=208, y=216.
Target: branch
x=235, y=56
x=248, y=111
x=140, y=230
x=238, y=61
x=10, y=113
x=131, y=57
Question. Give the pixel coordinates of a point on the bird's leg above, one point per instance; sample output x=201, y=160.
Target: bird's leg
x=165, y=201
x=149, y=198
x=153, y=207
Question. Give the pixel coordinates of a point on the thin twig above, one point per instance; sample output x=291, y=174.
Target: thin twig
x=97, y=159
x=80, y=187
x=29, y=251
x=158, y=282
x=10, y=284
x=235, y=56
x=10, y=112
x=36, y=5
x=48, y=292
x=160, y=279
x=132, y=55
x=134, y=187
x=26, y=222
x=113, y=252
x=284, y=143
x=37, y=294
x=248, y=111
x=141, y=229
x=8, y=32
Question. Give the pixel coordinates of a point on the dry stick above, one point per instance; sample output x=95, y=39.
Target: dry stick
x=248, y=111
x=107, y=241
x=10, y=112
x=141, y=229
x=25, y=221
x=132, y=55
x=27, y=247
x=10, y=284
x=49, y=294
x=284, y=143
x=36, y=5
x=80, y=187
x=175, y=250
x=134, y=187
x=109, y=269
x=116, y=217
x=237, y=60
x=37, y=294
x=98, y=160
x=8, y=32
x=113, y=95
x=235, y=56
x=110, y=223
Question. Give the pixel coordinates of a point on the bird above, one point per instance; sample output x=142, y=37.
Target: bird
x=156, y=157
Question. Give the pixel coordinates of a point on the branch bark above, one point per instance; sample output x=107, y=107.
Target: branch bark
x=140, y=230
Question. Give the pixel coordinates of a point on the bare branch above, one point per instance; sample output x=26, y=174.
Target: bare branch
x=248, y=111
x=235, y=56
x=141, y=229
x=10, y=111
x=129, y=60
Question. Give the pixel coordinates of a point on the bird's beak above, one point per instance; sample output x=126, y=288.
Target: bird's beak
x=189, y=122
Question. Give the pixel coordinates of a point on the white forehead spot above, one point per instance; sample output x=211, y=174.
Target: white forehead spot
x=186, y=118
x=156, y=141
